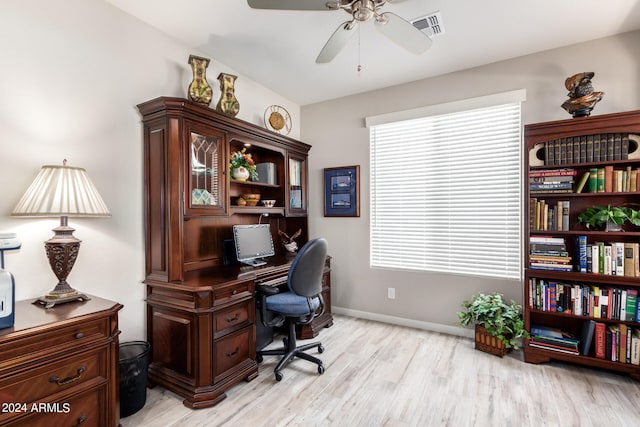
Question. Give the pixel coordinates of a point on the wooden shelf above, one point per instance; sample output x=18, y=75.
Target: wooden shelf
x=585, y=129
x=257, y=210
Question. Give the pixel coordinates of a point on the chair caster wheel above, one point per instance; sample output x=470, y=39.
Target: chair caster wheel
x=259, y=358
x=320, y=349
x=278, y=376
x=320, y=369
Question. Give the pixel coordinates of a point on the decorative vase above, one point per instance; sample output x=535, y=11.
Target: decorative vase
x=228, y=104
x=199, y=89
x=240, y=174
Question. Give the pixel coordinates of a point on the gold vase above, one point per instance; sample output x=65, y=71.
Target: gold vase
x=228, y=104
x=199, y=89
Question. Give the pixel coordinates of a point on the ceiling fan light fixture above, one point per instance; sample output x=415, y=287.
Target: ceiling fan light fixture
x=363, y=10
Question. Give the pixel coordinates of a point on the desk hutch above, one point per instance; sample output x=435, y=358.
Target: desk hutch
x=200, y=310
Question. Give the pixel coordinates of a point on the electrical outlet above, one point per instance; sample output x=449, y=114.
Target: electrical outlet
x=391, y=293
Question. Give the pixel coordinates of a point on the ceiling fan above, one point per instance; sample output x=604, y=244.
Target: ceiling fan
x=391, y=25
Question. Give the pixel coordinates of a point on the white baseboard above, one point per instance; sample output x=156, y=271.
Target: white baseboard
x=418, y=324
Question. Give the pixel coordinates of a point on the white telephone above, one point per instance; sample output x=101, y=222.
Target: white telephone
x=8, y=241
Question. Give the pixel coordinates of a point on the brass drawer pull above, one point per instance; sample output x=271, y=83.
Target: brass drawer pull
x=81, y=420
x=78, y=335
x=235, y=291
x=230, y=319
x=55, y=379
x=233, y=353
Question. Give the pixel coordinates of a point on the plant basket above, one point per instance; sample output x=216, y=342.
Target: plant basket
x=489, y=344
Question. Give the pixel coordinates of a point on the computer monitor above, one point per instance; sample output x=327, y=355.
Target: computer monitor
x=253, y=242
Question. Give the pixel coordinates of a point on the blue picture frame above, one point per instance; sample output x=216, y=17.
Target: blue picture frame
x=342, y=191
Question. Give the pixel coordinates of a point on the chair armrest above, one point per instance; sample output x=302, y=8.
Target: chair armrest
x=262, y=292
x=267, y=290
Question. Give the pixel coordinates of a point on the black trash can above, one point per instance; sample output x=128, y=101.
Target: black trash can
x=134, y=363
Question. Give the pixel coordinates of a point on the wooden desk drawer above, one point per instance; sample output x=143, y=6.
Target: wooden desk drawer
x=228, y=294
x=233, y=317
x=33, y=347
x=36, y=384
x=85, y=410
x=230, y=351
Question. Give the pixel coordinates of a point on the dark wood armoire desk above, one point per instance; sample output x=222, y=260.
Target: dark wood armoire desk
x=201, y=316
x=59, y=366
x=204, y=329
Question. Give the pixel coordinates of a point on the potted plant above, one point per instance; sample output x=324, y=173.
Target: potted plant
x=608, y=218
x=242, y=166
x=498, y=324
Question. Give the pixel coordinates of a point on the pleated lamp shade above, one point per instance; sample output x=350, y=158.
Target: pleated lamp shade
x=62, y=191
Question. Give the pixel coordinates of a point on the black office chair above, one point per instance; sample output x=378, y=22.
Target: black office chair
x=299, y=305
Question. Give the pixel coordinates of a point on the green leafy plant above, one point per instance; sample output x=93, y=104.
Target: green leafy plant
x=501, y=320
x=596, y=217
x=239, y=159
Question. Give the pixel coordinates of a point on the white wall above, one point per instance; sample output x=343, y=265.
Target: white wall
x=73, y=72
x=339, y=138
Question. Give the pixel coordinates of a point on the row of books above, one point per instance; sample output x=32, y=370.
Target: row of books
x=614, y=259
x=581, y=299
x=549, y=253
x=609, y=180
x=552, y=181
x=590, y=148
x=549, y=216
x=555, y=339
x=617, y=343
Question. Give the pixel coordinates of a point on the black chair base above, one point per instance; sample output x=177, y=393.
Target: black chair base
x=290, y=352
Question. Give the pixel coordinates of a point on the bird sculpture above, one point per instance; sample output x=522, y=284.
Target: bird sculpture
x=582, y=97
x=289, y=242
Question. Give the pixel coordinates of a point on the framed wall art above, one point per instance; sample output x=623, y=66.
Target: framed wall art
x=342, y=191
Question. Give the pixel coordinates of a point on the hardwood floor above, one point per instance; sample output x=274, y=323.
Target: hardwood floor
x=379, y=374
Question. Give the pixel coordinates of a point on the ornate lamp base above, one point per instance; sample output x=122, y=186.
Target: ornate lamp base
x=62, y=250
x=50, y=300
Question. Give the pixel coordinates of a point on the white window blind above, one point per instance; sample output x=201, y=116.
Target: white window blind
x=445, y=192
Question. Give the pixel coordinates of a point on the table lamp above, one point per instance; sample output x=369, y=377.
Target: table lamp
x=65, y=191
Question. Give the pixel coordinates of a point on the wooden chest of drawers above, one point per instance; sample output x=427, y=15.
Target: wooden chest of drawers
x=59, y=366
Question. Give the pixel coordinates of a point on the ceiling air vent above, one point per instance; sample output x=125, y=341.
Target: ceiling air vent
x=431, y=24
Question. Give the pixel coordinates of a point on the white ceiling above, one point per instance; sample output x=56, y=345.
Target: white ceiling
x=278, y=48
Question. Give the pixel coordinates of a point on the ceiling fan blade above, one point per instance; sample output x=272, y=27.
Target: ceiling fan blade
x=337, y=41
x=294, y=4
x=403, y=33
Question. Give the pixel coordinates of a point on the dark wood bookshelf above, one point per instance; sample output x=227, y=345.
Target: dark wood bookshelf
x=536, y=136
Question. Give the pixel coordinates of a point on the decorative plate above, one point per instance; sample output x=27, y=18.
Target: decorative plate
x=277, y=119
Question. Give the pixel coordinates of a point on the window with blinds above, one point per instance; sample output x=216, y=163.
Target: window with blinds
x=446, y=191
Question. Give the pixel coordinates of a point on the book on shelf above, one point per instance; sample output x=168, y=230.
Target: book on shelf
x=551, y=185
x=593, y=180
x=631, y=305
x=582, y=182
x=614, y=350
x=553, y=348
x=553, y=267
x=635, y=347
x=622, y=343
x=608, y=179
x=600, y=340
x=581, y=247
x=553, y=339
x=586, y=336
x=552, y=172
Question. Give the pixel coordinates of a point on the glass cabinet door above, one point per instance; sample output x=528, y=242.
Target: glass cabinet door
x=297, y=185
x=206, y=188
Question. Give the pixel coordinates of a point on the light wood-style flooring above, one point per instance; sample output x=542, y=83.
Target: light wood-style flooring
x=379, y=374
